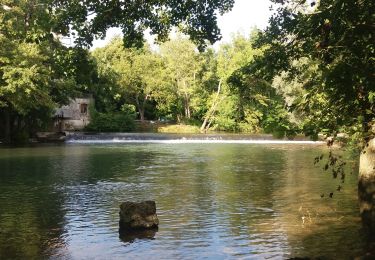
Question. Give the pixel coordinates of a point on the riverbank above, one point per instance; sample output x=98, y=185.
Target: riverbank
x=159, y=130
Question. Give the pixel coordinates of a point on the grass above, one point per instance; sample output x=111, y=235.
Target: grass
x=163, y=127
x=178, y=128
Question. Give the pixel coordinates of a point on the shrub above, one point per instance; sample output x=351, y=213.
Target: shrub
x=113, y=121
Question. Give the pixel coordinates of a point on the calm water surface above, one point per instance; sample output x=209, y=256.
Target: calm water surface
x=215, y=201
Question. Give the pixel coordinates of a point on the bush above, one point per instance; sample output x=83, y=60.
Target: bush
x=277, y=122
x=245, y=127
x=112, y=122
x=225, y=124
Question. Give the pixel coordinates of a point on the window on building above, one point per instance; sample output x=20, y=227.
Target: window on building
x=83, y=108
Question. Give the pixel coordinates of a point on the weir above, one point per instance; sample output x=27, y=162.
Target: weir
x=107, y=138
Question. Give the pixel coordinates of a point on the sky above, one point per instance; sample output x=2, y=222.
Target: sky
x=245, y=15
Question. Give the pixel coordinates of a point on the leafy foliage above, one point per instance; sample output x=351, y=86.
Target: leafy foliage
x=38, y=73
x=132, y=75
x=262, y=107
x=337, y=36
x=121, y=121
x=194, y=18
x=246, y=102
x=182, y=65
x=35, y=73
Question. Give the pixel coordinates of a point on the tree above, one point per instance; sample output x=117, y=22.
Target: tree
x=134, y=73
x=146, y=68
x=194, y=18
x=182, y=63
x=32, y=80
x=231, y=57
x=337, y=36
x=33, y=72
x=248, y=100
x=309, y=107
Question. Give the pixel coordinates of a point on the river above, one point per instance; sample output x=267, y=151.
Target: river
x=215, y=200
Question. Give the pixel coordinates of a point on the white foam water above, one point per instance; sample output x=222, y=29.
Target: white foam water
x=188, y=141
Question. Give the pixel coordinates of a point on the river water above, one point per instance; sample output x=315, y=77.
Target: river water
x=215, y=200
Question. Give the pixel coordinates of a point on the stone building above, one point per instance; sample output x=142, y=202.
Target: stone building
x=74, y=116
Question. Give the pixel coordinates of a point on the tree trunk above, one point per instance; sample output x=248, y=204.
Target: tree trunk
x=142, y=114
x=188, y=114
x=207, y=119
x=366, y=186
x=7, y=126
x=204, y=124
x=179, y=118
x=187, y=106
x=140, y=108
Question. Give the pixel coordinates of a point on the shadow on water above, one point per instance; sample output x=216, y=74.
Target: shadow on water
x=129, y=236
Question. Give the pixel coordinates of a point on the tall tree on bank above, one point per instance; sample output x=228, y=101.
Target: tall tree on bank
x=135, y=74
x=231, y=57
x=35, y=73
x=182, y=63
x=338, y=36
x=29, y=29
x=241, y=102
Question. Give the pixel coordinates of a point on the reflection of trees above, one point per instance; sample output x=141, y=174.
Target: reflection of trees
x=246, y=177
x=224, y=187
x=130, y=236
x=255, y=193
x=31, y=217
x=88, y=164
x=227, y=195
x=39, y=185
x=316, y=226
x=183, y=191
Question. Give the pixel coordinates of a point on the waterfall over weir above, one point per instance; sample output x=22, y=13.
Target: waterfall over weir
x=108, y=138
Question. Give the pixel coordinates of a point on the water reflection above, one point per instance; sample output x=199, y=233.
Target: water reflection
x=213, y=201
x=30, y=224
x=312, y=221
x=131, y=236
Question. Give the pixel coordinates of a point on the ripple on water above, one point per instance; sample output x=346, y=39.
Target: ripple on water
x=217, y=201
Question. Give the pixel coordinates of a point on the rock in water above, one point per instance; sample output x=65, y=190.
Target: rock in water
x=140, y=215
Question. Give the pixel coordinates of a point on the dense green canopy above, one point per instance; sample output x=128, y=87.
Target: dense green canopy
x=90, y=19
x=336, y=38
x=311, y=70
x=37, y=72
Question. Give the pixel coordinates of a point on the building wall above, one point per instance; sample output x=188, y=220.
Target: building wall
x=74, y=116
